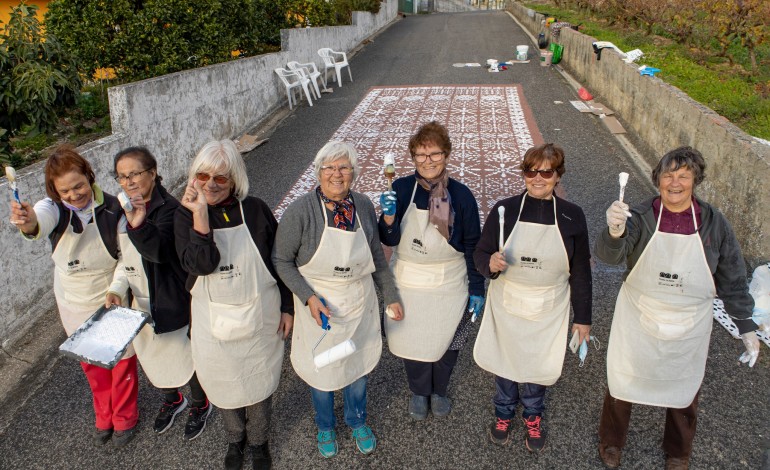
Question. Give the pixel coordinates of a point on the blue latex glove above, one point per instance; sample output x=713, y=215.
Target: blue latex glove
x=388, y=202
x=475, y=305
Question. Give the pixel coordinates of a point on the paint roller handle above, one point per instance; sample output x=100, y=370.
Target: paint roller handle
x=324, y=319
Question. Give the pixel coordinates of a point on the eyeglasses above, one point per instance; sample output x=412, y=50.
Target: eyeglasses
x=546, y=174
x=434, y=157
x=218, y=179
x=329, y=170
x=131, y=177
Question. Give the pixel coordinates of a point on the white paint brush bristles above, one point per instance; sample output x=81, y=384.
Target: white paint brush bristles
x=623, y=180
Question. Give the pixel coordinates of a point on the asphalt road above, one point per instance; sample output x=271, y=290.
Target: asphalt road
x=52, y=429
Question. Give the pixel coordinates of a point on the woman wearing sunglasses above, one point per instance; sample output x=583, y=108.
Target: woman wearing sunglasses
x=157, y=282
x=241, y=312
x=329, y=254
x=432, y=221
x=542, y=268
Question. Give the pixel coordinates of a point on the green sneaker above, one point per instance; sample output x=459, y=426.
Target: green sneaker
x=327, y=443
x=365, y=440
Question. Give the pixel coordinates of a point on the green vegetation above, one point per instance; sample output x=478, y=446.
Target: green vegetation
x=698, y=51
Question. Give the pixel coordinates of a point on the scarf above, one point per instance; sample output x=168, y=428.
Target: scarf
x=442, y=215
x=344, y=211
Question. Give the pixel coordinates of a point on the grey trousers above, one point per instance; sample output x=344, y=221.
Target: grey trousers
x=251, y=422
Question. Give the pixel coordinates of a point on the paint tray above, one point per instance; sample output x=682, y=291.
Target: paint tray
x=102, y=339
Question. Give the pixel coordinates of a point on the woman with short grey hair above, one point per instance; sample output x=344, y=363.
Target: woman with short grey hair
x=241, y=311
x=680, y=253
x=328, y=253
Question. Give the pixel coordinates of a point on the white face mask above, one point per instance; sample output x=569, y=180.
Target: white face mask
x=582, y=349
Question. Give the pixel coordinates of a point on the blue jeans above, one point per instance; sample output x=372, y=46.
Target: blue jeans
x=354, y=396
x=507, y=397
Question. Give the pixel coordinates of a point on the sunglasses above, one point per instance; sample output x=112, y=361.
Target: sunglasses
x=218, y=179
x=546, y=174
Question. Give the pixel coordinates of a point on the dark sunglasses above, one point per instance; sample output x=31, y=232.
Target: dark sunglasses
x=546, y=174
x=218, y=179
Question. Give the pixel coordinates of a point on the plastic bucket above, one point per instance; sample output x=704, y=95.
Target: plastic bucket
x=522, y=52
x=545, y=58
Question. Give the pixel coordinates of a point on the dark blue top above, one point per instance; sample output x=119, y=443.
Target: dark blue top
x=466, y=230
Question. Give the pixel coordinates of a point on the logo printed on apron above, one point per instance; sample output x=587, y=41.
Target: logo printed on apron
x=523, y=333
x=432, y=278
x=661, y=327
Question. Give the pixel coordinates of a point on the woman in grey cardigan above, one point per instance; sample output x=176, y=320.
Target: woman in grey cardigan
x=328, y=252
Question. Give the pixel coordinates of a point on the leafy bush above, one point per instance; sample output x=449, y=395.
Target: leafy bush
x=37, y=77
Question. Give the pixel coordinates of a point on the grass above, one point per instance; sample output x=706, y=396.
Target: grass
x=734, y=90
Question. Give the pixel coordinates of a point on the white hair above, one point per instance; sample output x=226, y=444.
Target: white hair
x=335, y=150
x=222, y=157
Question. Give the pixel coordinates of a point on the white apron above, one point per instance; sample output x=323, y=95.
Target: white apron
x=432, y=278
x=340, y=272
x=523, y=334
x=236, y=348
x=662, y=323
x=166, y=358
x=83, y=272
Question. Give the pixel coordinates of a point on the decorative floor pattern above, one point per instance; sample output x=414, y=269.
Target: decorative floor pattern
x=491, y=127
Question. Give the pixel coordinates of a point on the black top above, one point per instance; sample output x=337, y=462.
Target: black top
x=199, y=254
x=574, y=234
x=154, y=240
x=465, y=231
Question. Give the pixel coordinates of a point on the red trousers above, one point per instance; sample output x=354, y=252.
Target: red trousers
x=115, y=393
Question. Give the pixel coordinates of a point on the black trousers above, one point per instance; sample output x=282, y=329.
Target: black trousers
x=198, y=395
x=426, y=378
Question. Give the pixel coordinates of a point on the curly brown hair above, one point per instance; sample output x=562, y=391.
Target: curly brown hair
x=431, y=133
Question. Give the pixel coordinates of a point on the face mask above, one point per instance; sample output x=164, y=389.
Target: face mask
x=582, y=349
x=76, y=209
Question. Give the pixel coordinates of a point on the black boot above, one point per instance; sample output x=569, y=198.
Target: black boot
x=234, y=457
x=260, y=457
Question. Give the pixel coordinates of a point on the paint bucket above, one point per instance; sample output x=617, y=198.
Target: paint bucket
x=522, y=52
x=545, y=58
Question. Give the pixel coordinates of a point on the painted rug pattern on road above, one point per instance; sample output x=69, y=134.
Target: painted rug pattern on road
x=491, y=128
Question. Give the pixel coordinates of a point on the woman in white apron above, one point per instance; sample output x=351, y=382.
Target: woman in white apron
x=542, y=268
x=157, y=283
x=663, y=315
x=241, y=312
x=433, y=222
x=329, y=254
x=82, y=222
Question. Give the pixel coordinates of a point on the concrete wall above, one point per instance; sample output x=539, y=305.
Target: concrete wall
x=664, y=118
x=173, y=115
x=453, y=6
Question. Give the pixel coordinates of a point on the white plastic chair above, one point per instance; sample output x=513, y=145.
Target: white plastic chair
x=335, y=60
x=293, y=79
x=308, y=70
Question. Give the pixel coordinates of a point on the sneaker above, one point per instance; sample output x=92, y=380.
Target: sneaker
x=234, y=456
x=167, y=413
x=418, y=407
x=121, y=438
x=677, y=463
x=610, y=455
x=535, y=439
x=327, y=443
x=500, y=431
x=440, y=406
x=101, y=436
x=196, y=421
x=260, y=457
x=365, y=440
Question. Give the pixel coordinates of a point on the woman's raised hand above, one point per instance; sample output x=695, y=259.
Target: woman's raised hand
x=193, y=198
x=24, y=217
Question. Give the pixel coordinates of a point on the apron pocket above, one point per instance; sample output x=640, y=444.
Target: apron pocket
x=420, y=276
x=530, y=304
x=666, y=321
x=234, y=322
x=230, y=288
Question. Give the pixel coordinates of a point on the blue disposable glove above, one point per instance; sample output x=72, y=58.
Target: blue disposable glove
x=475, y=305
x=388, y=202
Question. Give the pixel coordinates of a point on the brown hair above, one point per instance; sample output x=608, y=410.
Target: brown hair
x=431, y=133
x=550, y=153
x=64, y=160
x=681, y=157
x=142, y=155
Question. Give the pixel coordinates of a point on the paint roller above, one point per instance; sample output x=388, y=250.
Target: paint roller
x=10, y=173
x=335, y=353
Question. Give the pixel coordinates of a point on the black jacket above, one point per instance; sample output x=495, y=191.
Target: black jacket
x=155, y=241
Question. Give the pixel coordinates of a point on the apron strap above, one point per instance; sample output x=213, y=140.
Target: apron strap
x=414, y=191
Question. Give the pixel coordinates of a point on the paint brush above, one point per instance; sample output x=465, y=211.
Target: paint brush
x=501, y=212
x=623, y=180
x=390, y=169
x=10, y=173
